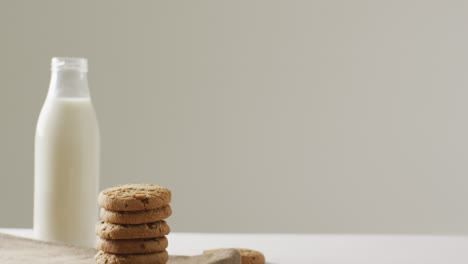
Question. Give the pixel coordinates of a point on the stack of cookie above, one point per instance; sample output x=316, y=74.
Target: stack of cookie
x=133, y=230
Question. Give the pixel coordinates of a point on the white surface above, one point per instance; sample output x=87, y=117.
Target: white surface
x=330, y=249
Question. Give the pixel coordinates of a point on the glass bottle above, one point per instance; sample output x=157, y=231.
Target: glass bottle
x=67, y=156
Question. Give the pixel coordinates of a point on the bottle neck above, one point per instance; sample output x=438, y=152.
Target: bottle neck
x=69, y=83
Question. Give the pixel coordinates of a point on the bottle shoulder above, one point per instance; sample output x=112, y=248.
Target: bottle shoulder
x=67, y=116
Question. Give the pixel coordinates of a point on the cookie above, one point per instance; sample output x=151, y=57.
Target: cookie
x=134, y=197
x=136, y=217
x=132, y=246
x=248, y=256
x=117, y=231
x=151, y=258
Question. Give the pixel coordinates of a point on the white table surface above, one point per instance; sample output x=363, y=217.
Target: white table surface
x=329, y=249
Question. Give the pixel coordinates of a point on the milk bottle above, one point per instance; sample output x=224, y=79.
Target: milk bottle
x=66, y=165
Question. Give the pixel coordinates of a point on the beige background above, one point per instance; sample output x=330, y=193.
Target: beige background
x=261, y=116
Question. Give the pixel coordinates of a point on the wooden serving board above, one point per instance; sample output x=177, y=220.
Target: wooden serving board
x=18, y=250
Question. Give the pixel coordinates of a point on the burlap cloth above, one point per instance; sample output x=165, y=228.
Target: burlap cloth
x=17, y=250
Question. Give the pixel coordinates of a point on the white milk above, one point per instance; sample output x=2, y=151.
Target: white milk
x=67, y=150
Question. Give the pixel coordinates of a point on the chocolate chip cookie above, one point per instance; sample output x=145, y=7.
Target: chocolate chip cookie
x=117, y=231
x=136, y=217
x=134, y=197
